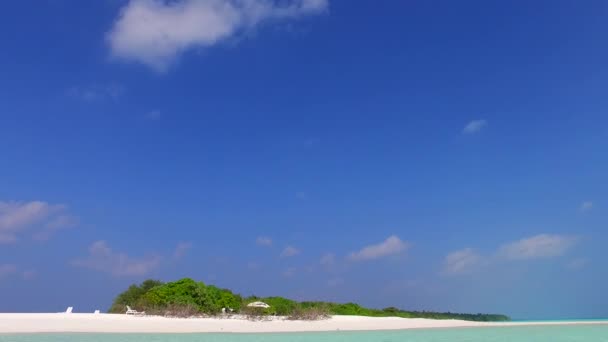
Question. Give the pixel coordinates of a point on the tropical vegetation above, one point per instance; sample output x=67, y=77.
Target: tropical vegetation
x=189, y=297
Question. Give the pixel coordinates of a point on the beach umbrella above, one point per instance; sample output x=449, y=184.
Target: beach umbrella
x=258, y=305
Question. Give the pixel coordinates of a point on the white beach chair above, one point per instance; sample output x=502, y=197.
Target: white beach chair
x=96, y=312
x=134, y=312
x=69, y=310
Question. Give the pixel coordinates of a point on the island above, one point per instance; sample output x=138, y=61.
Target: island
x=189, y=298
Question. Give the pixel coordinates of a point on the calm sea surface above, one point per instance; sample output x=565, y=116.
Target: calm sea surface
x=581, y=333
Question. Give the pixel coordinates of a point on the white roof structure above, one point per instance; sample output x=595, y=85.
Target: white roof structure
x=258, y=305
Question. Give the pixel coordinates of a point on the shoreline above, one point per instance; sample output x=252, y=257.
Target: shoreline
x=116, y=323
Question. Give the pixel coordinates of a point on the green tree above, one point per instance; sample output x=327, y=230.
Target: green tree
x=188, y=297
x=281, y=306
x=132, y=296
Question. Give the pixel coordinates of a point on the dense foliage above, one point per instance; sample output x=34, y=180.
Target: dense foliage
x=132, y=296
x=355, y=309
x=189, y=296
x=206, y=299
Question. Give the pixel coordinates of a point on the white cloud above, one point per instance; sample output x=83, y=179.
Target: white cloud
x=157, y=32
x=586, y=206
x=62, y=222
x=537, y=247
x=16, y=215
x=461, y=262
x=391, y=246
x=474, y=126
x=263, y=241
x=290, y=251
x=181, y=249
x=55, y=224
x=543, y=246
x=103, y=259
x=42, y=218
x=7, y=269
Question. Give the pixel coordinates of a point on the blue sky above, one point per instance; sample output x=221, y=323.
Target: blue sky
x=433, y=155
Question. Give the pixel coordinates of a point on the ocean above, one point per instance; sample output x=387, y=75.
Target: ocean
x=572, y=333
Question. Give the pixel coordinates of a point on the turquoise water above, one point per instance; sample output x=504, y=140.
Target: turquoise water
x=580, y=333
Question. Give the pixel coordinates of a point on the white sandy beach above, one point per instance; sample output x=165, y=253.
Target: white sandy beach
x=107, y=323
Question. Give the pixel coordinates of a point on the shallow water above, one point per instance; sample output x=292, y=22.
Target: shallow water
x=578, y=333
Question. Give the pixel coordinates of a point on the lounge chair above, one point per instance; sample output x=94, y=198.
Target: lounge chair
x=134, y=312
x=68, y=310
x=96, y=312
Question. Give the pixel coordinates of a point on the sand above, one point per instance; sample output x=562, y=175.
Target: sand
x=108, y=323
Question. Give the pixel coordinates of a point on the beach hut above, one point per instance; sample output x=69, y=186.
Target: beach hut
x=258, y=305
